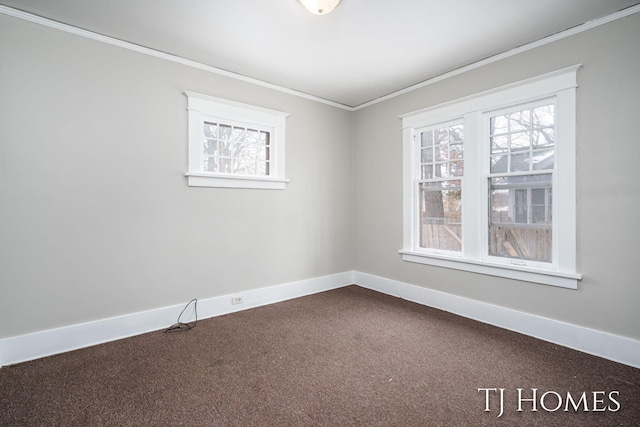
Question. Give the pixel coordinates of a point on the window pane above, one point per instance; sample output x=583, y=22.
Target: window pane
x=544, y=116
x=235, y=150
x=238, y=134
x=499, y=144
x=426, y=139
x=519, y=162
x=543, y=159
x=253, y=136
x=499, y=163
x=426, y=155
x=210, y=130
x=543, y=138
x=520, y=121
x=456, y=168
x=500, y=124
x=456, y=133
x=441, y=136
x=440, y=215
x=224, y=132
x=520, y=141
x=520, y=217
x=442, y=152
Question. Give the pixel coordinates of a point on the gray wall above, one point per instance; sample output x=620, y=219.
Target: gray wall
x=96, y=219
x=608, y=163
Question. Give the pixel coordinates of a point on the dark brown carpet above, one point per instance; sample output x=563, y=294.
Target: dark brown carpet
x=344, y=357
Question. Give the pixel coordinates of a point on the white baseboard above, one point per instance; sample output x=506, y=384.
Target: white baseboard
x=45, y=343
x=591, y=341
x=53, y=341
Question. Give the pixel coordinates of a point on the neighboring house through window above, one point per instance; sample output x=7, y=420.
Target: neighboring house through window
x=489, y=182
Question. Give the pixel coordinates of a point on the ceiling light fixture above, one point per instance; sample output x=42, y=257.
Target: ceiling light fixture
x=320, y=7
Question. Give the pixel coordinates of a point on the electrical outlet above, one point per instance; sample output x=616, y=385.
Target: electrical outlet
x=237, y=300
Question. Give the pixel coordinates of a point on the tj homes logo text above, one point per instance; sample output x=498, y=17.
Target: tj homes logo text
x=551, y=401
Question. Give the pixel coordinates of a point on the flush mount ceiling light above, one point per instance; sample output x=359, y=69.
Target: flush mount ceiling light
x=320, y=7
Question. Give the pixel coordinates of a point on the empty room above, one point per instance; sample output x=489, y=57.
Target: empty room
x=319, y=213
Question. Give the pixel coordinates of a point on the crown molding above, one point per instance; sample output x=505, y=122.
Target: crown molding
x=533, y=45
x=158, y=54
x=190, y=63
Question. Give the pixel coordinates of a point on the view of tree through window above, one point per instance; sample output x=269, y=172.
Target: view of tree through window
x=439, y=187
x=520, y=184
x=235, y=150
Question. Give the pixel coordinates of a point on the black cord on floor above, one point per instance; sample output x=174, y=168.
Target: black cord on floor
x=179, y=326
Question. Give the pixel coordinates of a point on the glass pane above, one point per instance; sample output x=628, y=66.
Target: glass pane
x=426, y=139
x=543, y=138
x=499, y=163
x=456, y=151
x=520, y=141
x=210, y=164
x=456, y=133
x=520, y=121
x=519, y=162
x=544, y=116
x=427, y=172
x=520, y=217
x=238, y=134
x=440, y=224
x=224, y=132
x=537, y=196
x=210, y=130
x=210, y=147
x=441, y=170
x=543, y=159
x=499, y=144
x=456, y=168
x=253, y=136
x=262, y=168
x=225, y=165
x=426, y=155
x=499, y=124
x=263, y=153
x=441, y=136
x=225, y=148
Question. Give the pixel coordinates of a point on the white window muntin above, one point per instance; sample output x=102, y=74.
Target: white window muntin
x=202, y=108
x=559, y=85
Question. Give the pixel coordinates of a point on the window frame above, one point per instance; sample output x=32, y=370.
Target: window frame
x=475, y=112
x=205, y=109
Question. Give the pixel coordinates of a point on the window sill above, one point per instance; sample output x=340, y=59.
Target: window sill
x=230, y=181
x=527, y=274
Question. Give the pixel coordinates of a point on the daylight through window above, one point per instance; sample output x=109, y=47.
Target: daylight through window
x=235, y=145
x=489, y=182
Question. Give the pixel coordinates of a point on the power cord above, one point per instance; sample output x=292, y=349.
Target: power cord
x=181, y=327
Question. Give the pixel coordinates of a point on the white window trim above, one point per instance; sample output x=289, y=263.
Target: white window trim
x=204, y=107
x=474, y=110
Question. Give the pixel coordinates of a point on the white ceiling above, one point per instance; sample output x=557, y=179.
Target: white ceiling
x=363, y=50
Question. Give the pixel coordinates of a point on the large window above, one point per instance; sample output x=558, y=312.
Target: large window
x=234, y=145
x=490, y=182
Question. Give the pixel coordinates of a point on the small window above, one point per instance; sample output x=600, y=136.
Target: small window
x=234, y=145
